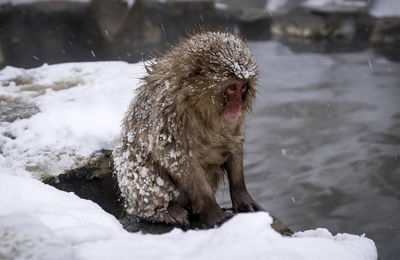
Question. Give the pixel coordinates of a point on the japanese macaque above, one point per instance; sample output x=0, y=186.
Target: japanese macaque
x=184, y=131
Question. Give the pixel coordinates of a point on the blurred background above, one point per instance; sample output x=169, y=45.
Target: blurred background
x=323, y=142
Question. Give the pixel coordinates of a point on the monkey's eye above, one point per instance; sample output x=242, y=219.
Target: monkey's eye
x=232, y=87
x=244, y=88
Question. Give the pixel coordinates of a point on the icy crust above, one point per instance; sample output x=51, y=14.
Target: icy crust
x=80, y=105
x=40, y=222
x=171, y=111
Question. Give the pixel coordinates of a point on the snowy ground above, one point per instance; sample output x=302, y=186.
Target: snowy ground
x=379, y=8
x=81, y=109
x=386, y=8
x=81, y=106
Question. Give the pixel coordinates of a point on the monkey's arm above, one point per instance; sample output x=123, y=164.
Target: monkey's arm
x=241, y=199
x=195, y=186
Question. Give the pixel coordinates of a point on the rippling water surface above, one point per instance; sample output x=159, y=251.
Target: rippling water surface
x=323, y=145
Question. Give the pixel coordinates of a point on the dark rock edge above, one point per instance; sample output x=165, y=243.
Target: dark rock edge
x=95, y=181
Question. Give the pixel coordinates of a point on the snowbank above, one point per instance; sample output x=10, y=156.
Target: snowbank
x=80, y=109
x=386, y=8
x=380, y=8
x=40, y=221
x=336, y=5
x=275, y=5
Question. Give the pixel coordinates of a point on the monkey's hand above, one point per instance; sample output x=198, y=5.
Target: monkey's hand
x=177, y=216
x=243, y=202
x=215, y=216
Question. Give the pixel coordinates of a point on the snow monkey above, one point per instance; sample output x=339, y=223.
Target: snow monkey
x=184, y=131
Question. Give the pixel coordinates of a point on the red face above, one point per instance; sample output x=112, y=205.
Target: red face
x=234, y=93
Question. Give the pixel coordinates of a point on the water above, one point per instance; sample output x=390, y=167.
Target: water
x=323, y=145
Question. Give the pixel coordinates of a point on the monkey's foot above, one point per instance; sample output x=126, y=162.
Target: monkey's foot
x=243, y=202
x=215, y=217
x=176, y=215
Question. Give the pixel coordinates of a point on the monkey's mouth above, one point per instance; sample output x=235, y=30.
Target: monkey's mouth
x=233, y=110
x=231, y=116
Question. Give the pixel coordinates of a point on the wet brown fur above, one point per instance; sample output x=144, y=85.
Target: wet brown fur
x=174, y=129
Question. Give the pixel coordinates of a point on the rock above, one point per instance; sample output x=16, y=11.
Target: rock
x=95, y=181
x=54, y=32
x=255, y=24
x=386, y=37
x=1, y=56
x=110, y=16
x=281, y=228
x=386, y=30
x=46, y=32
x=322, y=25
x=11, y=110
x=315, y=31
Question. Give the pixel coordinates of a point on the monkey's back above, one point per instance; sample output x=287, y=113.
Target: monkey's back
x=142, y=179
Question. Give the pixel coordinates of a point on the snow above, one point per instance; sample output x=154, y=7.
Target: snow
x=386, y=8
x=275, y=5
x=81, y=106
x=336, y=5
x=220, y=6
x=41, y=222
x=322, y=3
x=380, y=8
x=130, y=3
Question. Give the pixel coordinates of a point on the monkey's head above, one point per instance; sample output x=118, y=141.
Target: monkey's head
x=213, y=73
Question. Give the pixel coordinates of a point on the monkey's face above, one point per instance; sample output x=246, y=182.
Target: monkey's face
x=234, y=95
x=212, y=74
x=220, y=94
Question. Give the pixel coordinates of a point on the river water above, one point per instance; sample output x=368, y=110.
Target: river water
x=323, y=144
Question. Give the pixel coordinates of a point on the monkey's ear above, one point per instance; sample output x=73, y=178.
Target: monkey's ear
x=196, y=68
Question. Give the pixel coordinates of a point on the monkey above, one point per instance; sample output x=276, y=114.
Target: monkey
x=184, y=131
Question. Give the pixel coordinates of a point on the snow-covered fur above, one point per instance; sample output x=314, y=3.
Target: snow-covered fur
x=171, y=125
